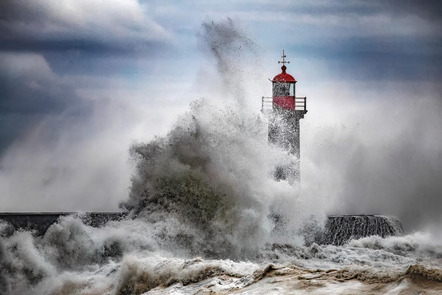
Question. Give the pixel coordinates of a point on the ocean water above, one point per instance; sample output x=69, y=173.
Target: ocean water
x=201, y=220
x=138, y=257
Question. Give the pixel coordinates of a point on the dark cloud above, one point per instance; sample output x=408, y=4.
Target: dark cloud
x=374, y=40
x=426, y=9
x=88, y=26
x=90, y=46
x=56, y=39
x=380, y=58
x=30, y=93
x=52, y=150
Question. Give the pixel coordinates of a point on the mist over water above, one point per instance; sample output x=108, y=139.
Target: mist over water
x=376, y=154
x=200, y=216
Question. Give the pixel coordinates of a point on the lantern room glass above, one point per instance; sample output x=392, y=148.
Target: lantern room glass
x=283, y=89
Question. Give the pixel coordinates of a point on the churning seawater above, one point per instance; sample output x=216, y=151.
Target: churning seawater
x=201, y=221
x=206, y=216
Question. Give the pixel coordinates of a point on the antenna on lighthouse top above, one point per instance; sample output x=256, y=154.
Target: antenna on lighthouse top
x=283, y=62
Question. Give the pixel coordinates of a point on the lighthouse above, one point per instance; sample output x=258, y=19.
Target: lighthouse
x=285, y=110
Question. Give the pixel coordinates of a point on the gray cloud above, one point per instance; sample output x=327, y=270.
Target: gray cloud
x=41, y=42
x=65, y=139
x=381, y=58
x=114, y=28
x=364, y=40
x=31, y=92
x=52, y=155
x=66, y=69
x=427, y=9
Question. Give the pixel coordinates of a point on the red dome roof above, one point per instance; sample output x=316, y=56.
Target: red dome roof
x=283, y=77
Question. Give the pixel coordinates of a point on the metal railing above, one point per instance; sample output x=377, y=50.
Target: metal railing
x=301, y=103
x=267, y=104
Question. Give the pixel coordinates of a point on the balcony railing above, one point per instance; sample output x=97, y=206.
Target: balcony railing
x=301, y=103
x=267, y=104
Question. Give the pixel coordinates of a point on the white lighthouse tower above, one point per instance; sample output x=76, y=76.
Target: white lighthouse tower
x=285, y=111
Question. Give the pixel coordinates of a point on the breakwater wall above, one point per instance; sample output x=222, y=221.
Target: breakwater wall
x=338, y=229
x=341, y=228
x=39, y=222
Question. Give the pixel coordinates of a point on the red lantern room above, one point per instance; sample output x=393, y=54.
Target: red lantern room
x=284, y=88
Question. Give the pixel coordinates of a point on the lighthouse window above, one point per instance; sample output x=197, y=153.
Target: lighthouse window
x=283, y=89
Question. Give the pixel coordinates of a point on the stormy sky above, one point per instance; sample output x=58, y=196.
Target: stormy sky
x=81, y=80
